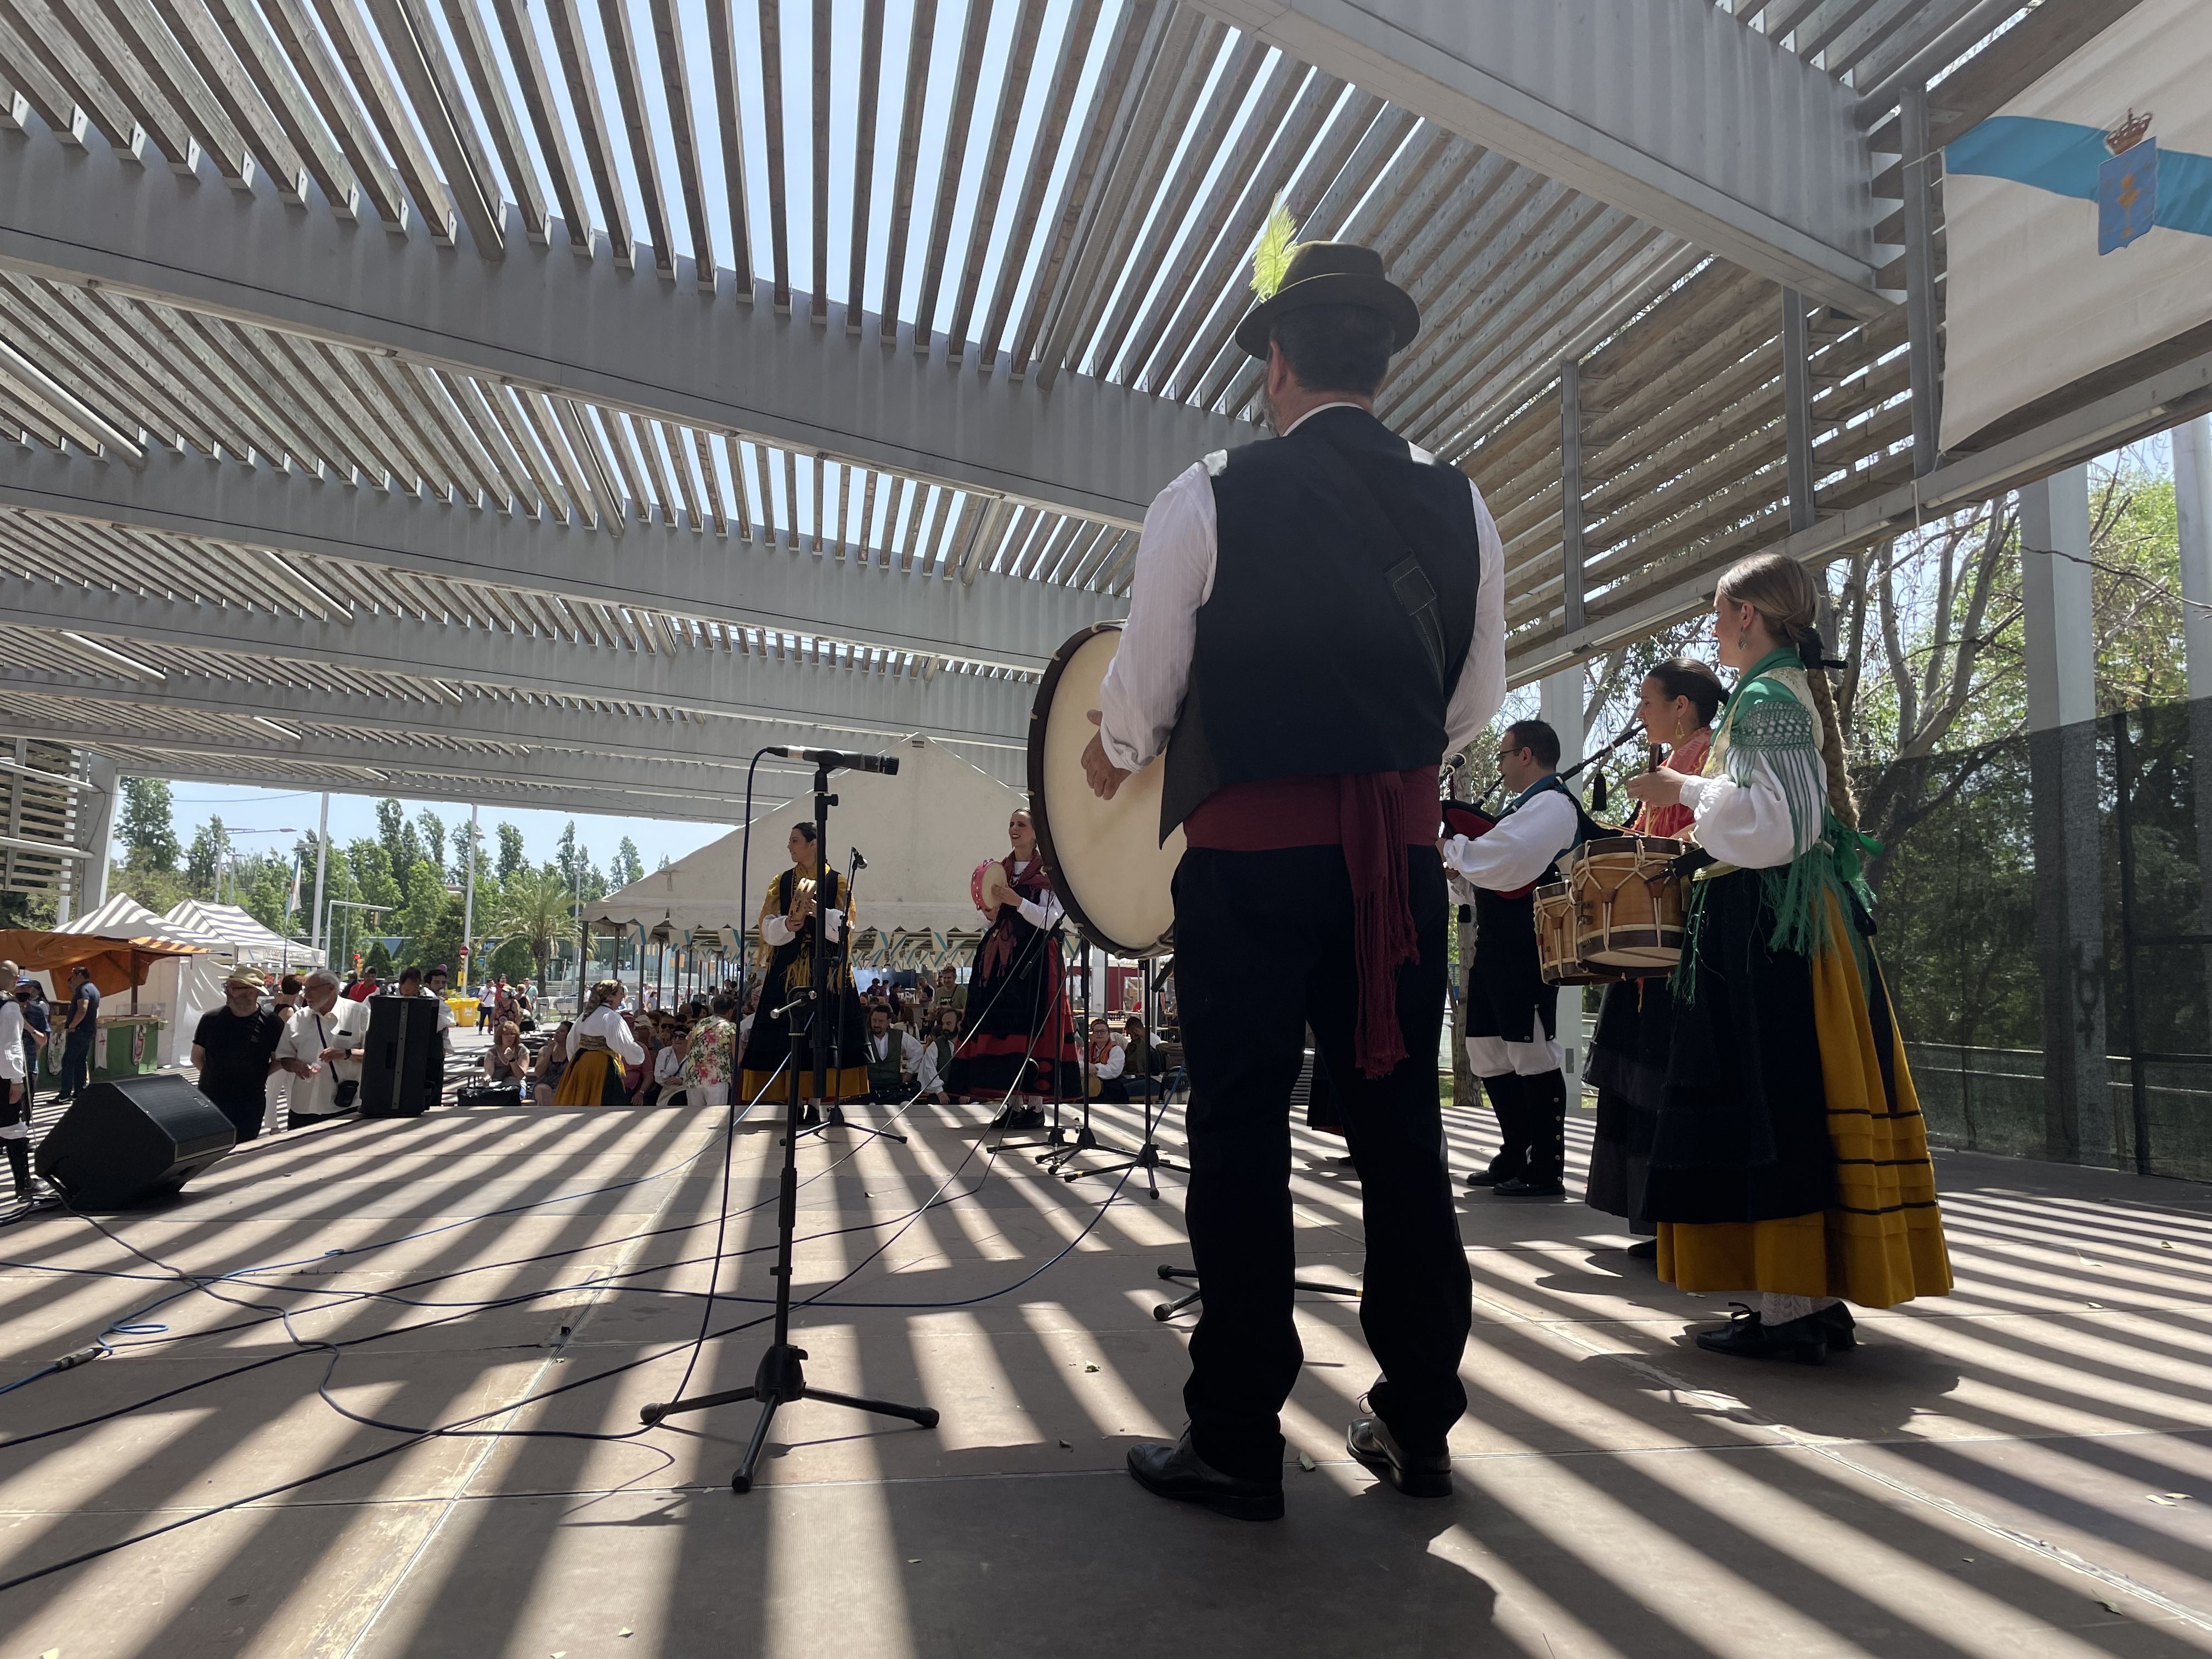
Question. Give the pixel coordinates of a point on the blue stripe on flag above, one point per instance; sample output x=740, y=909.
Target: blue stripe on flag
x=2062, y=157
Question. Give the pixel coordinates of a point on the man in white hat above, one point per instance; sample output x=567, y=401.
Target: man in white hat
x=235, y=1049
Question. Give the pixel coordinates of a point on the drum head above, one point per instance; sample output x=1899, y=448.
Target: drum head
x=1104, y=856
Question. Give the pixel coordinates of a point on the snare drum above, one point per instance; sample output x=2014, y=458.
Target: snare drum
x=1556, y=942
x=1628, y=904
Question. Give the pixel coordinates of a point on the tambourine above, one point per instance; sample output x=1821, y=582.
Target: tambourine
x=979, y=886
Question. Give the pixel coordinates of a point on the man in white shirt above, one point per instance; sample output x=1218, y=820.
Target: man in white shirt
x=892, y=1055
x=1317, y=620
x=1512, y=1014
x=14, y=1086
x=321, y=1049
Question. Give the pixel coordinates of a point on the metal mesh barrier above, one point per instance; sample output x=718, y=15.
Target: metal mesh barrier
x=2045, y=916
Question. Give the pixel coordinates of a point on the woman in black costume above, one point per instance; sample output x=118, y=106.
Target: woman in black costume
x=1020, y=1038
x=790, y=911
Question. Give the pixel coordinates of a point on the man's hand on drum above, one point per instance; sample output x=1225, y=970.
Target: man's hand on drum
x=1661, y=788
x=1104, y=777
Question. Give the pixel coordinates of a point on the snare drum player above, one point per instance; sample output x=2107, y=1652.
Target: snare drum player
x=1674, y=704
x=1317, y=620
x=1789, y=1157
x=1512, y=1014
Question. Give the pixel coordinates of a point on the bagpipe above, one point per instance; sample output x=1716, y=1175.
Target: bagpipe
x=1474, y=819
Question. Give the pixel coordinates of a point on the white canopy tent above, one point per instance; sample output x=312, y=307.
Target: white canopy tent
x=179, y=988
x=922, y=832
x=229, y=929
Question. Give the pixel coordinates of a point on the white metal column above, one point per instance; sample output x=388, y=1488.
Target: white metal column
x=95, y=812
x=1561, y=707
x=2069, y=921
x=322, y=869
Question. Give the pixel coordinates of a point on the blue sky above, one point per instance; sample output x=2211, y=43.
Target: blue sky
x=353, y=817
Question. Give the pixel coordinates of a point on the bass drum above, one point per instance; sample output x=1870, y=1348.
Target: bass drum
x=1105, y=857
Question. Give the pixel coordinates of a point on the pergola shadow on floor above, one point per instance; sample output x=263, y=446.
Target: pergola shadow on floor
x=1984, y=1476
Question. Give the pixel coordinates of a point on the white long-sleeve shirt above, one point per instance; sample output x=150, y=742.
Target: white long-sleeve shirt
x=307, y=1034
x=11, y=1041
x=666, y=1064
x=1117, y=1056
x=880, y=1048
x=779, y=932
x=1523, y=846
x=1177, y=559
x=1749, y=825
x=608, y=1025
x=1043, y=913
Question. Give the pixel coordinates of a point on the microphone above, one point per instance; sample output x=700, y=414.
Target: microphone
x=886, y=764
x=859, y=863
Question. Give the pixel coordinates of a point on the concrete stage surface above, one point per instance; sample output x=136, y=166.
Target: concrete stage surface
x=1995, y=1474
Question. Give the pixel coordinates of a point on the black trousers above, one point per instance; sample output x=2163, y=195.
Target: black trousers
x=1289, y=913
x=245, y=1114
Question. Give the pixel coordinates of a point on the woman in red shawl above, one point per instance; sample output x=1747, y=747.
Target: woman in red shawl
x=1020, y=1043
x=1676, y=703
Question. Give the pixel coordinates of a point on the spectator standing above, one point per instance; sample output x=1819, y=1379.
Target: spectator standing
x=321, y=1050
x=15, y=1087
x=83, y=1023
x=234, y=1048
x=37, y=1032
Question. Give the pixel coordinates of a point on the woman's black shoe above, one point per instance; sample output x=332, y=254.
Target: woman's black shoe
x=1644, y=1249
x=1841, y=1329
x=1176, y=1471
x=811, y=1116
x=1749, y=1337
x=1518, y=1188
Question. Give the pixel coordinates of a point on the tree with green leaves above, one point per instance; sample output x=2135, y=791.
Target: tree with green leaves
x=628, y=866
x=147, y=825
x=421, y=917
x=401, y=840
x=467, y=837
x=203, y=863
x=510, y=850
x=372, y=878
x=432, y=829
x=537, y=906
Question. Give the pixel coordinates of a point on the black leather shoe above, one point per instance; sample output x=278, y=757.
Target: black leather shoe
x=1173, y=1470
x=1521, y=1188
x=1485, y=1178
x=810, y=1117
x=1644, y=1249
x=1749, y=1337
x=1370, y=1440
x=1837, y=1326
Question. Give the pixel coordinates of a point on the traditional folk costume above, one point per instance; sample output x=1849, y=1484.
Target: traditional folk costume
x=786, y=964
x=1627, y=1062
x=890, y=1060
x=599, y=1045
x=1317, y=620
x=1512, y=1014
x=1790, y=1157
x=1020, y=1038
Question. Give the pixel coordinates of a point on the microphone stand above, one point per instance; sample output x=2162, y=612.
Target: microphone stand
x=781, y=1380
x=1146, y=1157
x=833, y=1115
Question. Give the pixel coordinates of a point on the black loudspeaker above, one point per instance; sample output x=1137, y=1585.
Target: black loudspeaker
x=403, y=1069
x=133, y=1140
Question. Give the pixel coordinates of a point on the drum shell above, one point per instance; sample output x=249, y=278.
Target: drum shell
x=1630, y=905
x=1557, y=931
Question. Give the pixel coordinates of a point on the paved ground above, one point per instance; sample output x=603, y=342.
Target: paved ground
x=1984, y=1477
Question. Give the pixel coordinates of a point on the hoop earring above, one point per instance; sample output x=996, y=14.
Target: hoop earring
x=1742, y=638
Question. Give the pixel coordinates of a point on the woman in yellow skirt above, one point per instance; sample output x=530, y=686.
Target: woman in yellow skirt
x=600, y=1044
x=1790, y=1158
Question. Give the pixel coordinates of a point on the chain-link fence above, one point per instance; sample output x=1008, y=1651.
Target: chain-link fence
x=2046, y=915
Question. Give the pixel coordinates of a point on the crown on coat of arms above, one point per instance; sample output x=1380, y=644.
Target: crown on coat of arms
x=2129, y=133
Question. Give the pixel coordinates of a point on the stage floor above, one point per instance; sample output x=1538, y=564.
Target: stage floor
x=1994, y=1473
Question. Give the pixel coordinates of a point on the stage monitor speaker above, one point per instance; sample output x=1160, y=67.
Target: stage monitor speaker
x=403, y=1069
x=133, y=1140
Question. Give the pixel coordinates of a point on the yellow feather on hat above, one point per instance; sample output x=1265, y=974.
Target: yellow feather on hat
x=1271, y=259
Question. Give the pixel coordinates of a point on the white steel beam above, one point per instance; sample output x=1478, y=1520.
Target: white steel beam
x=1672, y=110
x=591, y=330
x=665, y=735
x=795, y=698
x=91, y=726
x=997, y=619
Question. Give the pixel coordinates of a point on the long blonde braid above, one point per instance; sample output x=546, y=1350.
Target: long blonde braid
x=1784, y=592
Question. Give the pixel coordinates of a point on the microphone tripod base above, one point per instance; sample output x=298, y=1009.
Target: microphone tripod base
x=779, y=1381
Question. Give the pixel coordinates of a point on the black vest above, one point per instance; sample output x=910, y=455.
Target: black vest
x=1308, y=660
x=1505, y=958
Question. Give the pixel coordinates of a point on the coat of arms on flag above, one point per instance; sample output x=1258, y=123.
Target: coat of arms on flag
x=2127, y=185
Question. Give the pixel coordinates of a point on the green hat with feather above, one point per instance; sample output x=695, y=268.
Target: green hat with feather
x=1290, y=276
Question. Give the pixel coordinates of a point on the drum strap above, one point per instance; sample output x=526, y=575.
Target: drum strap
x=1409, y=583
